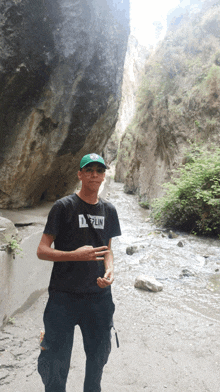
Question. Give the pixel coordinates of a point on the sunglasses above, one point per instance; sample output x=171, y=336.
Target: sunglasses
x=89, y=170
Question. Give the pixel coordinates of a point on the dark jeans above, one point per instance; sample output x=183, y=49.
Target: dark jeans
x=93, y=313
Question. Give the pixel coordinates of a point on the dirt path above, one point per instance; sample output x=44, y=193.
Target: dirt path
x=162, y=347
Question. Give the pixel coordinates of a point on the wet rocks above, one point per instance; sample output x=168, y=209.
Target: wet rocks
x=146, y=282
x=186, y=273
x=172, y=235
x=180, y=244
x=130, y=250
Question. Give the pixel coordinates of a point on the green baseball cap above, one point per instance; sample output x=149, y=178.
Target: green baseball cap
x=92, y=158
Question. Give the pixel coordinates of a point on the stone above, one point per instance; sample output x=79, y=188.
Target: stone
x=180, y=244
x=60, y=92
x=201, y=260
x=146, y=282
x=130, y=250
x=172, y=235
x=186, y=273
x=7, y=231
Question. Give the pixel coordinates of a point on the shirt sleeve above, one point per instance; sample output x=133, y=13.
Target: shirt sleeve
x=113, y=223
x=54, y=220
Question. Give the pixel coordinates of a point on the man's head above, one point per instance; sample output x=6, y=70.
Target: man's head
x=90, y=159
x=92, y=172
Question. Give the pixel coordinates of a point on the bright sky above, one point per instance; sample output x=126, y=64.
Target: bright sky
x=142, y=15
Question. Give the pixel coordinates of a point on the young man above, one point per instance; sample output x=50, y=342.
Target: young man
x=81, y=226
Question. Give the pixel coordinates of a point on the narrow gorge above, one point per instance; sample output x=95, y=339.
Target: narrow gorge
x=177, y=103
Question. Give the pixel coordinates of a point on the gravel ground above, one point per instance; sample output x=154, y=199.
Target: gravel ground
x=163, y=346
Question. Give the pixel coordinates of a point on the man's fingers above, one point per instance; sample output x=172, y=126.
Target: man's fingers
x=100, y=255
x=102, y=252
x=101, y=248
x=104, y=282
x=87, y=252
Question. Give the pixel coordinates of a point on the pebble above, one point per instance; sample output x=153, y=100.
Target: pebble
x=171, y=234
x=130, y=250
x=180, y=244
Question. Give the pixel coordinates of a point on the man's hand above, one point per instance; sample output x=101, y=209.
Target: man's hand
x=87, y=253
x=107, y=280
x=84, y=253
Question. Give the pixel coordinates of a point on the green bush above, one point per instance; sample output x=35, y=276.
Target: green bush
x=192, y=200
x=144, y=204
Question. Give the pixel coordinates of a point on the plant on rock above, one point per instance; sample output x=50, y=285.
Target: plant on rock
x=192, y=200
x=13, y=246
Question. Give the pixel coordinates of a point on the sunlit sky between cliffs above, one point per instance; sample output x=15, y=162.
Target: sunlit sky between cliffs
x=148, y=19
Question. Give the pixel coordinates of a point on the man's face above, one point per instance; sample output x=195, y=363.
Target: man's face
x=92, y=176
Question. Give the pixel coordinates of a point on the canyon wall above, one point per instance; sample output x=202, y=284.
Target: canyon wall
x=134, y=64
x=61, y=69
x=178, y=105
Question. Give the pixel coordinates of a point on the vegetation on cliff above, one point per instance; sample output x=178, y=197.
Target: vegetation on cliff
x=178, y=104
x=192, y=200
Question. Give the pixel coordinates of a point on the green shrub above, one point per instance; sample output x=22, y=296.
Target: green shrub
x=144, y=204
x=192, y=200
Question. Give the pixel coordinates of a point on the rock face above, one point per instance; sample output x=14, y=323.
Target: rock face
x=61, y=72
x=134, y=65
x=178, y=105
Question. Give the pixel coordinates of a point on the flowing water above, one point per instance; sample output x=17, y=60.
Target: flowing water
x=187, y=266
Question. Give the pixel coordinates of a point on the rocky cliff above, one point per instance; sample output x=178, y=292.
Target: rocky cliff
x=61, y=68
x=134, y=64
x=178, y=104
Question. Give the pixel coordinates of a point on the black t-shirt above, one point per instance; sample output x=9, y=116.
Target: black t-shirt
x=66, y=221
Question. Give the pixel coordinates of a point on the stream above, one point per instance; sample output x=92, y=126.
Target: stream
x=187, y=266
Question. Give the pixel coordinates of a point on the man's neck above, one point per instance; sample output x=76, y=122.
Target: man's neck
x=90, y=198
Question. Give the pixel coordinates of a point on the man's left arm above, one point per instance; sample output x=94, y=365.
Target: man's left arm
x=108, y=278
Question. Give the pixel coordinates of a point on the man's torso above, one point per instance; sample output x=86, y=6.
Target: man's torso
x=67, y=222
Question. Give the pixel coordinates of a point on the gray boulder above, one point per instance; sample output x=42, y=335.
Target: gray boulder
x=146, y=282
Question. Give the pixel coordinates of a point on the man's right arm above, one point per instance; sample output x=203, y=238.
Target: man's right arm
x=84, y=253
